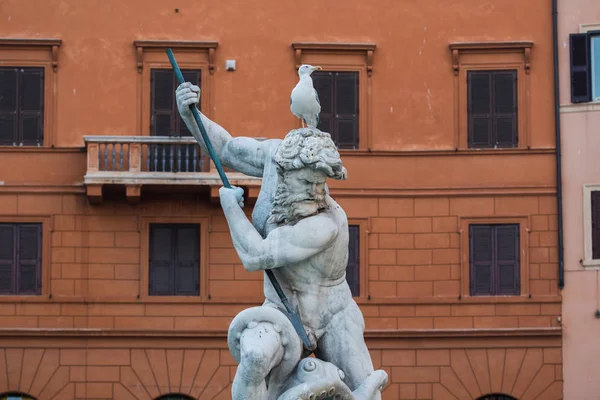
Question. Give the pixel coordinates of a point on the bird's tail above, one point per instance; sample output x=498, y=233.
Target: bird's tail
x=312, y=121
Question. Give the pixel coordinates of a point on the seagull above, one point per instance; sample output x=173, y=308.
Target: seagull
x=304, y=101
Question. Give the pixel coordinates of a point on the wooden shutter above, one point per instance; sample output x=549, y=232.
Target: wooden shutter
x=187, y=265
x=581, y=87
x=161, y=263
x=162, y=102
x=481, y=251
x=174, y=260
x=7, y=258
x=8, y=106
x=346, y=109
x=28, y=272
x=479, y=109
x=323, y=84
x=193, y=76
x=353, y=267
x=507, y=271
x=596, y=224
x=505, y=108
x=31, y=106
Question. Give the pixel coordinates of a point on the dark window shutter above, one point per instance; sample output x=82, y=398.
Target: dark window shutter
x=596, y=225
x=193, y=76
x=480, y=109
x=581, y=87
x=505, y=108
x=346, y=109
x=187, y=268
x=8, y=105
x=162, y=99
x=8, y=257
x=507, y=269
x=31, y=106
x=161, y=263
x=353, y=267
x=323, y=84
x=174, y=260
x=481, y=254
x=29, y=259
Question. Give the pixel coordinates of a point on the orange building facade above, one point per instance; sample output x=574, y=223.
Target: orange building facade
x=450, y=150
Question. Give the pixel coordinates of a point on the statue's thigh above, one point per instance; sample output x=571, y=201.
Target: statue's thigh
x=261, y=347
x=343, y=345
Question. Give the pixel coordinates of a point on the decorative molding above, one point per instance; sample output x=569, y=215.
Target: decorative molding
x=144, y=45
x=52, y=44
x=490, y=47
x=213, y=334
x=367, y=48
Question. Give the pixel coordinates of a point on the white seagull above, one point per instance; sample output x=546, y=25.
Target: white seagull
x=304, y=101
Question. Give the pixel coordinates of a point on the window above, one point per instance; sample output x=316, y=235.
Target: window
x=344, y=87
x=353, y=267
x=174, y=260
x=20, y=258
x=496, y=397
x=585, y=66
x=494, y=259
x=15, y=396
x=491, y=86
x=338, y=95
x=21, y=106
x=164, y=116
x=175, y=397
x=492, y=109
x=591, y=225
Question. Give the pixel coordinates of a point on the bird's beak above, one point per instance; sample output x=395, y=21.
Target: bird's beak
x=317, y=68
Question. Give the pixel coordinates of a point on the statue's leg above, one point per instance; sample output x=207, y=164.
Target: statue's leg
x=260, y=351
x=343, y=345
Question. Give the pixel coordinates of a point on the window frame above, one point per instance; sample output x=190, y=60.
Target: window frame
x=465, y=276
x=144, y=294
x=344, y=57
x=491, y=56
x=151, y=54
x=588, y=260
x=46, y=261
x=41, y=53
x=363, y=264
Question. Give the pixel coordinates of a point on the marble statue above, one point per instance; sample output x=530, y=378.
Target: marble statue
x=301, y=234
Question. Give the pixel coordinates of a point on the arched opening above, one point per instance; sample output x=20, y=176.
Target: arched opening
x=496, y=396
x=173, y=396
x=16, y=396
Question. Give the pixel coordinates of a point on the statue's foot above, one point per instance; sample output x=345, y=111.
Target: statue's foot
x=369, y=387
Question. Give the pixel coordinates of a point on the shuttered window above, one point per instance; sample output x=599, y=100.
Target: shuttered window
x=353, y=267
x=174, y=260
x=164, y=116
x=595, y=224
x=338, y=96
x=585, y=66
x=492, y=109
x=21, y=106
x=494, y=259
x=20, y=259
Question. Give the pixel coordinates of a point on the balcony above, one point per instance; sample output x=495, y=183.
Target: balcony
x=134, y=162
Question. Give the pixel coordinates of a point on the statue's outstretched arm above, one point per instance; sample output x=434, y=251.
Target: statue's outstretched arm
x=243, y=154
x=285, y=245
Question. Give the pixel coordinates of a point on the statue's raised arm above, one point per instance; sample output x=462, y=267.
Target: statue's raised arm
x=243, y=154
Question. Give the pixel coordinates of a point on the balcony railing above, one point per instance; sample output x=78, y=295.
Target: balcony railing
x=134, y=161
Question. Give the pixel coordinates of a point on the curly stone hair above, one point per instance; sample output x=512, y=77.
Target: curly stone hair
x=308, y=147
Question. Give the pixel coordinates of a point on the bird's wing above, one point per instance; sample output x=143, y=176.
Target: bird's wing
x=317, y=96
